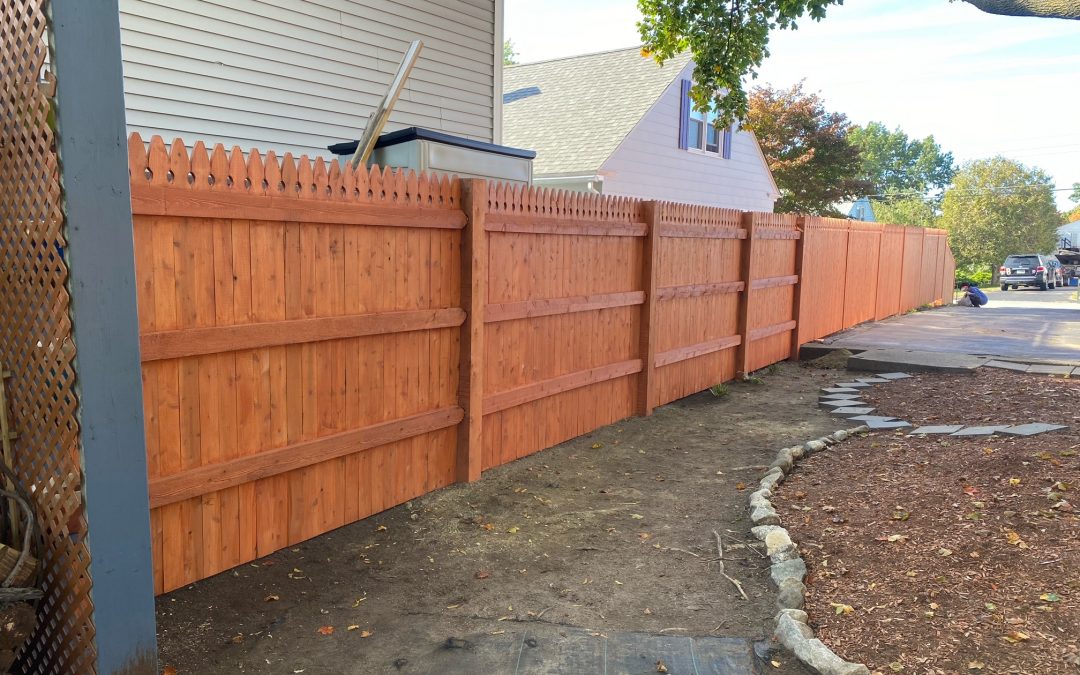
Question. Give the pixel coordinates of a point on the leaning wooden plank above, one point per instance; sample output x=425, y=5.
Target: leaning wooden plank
x=168, y=201
x=774, y=282
x=774, y=329
x=698, y=290
x=197, y=341
x=527, y=309
x=557, y=385
x=699, y=349
x=275, y=462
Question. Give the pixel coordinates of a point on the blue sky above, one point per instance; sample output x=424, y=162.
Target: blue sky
x=982, y=85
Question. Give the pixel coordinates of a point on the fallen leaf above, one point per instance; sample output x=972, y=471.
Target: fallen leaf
x=238, y=638
x=380, y=528
x=356, y=603
x=636, y=516
x=1014, y=539
x=944, y=552
x=482, y=574
x=799, y=494
x=597, y=446
x=990, y=606
x=976, y=665
x=366, y=633
x=1050, y=597
x=1014, y=481
x=1016, y=636
x=352, y=627
x=775, y=663
x=896, y=666
x=272, y=598
x=660, y=667
x=452, y=606
x=168, y=670
x=326, y=630
x=513, y=530
x=740, y=486
x=841, y=608
x=647, y=611
x=971, y=490
x=487, y=526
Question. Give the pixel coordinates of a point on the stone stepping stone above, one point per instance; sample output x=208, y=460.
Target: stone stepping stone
x=871, y=380
x=937, y=429
x=893, y=376
x=886, y=424
x=980, y=431
x=851, y=385
x=851, y=412
x=840, y=390
x=847, y=403
x=872, y=418
x=1008, y=365
x=838, y=397
x=1044, y=369
x=1032, y=429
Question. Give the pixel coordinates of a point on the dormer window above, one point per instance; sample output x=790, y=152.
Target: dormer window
x=697, y=130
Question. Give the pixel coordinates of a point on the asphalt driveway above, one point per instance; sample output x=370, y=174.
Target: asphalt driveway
x=1026, y=324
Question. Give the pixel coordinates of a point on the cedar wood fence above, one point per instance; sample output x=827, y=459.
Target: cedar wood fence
x=319, y=345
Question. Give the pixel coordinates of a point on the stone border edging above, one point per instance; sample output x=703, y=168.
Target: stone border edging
x=788, y=569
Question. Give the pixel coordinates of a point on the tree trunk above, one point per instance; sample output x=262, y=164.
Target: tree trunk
x=1047, y=9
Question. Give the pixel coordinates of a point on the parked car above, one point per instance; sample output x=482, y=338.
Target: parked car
x=1031, y=269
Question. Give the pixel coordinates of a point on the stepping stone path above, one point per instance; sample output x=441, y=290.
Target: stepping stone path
x=844, y=400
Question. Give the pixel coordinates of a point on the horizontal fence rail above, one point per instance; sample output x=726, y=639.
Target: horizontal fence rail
x=320, y=344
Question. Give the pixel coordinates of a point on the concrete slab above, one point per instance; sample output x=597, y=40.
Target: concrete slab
x=871, y=380
x=1032, y=429
x=852, y=385
x=1007, y=365
x=1046, y=369
x=852, y=412
x=937, y=429
x=881, y=360
x=886, y=424
x=841, y=404
x=871, y=418
x=980, y=431
x=1075, y=372
x=838, y=397
x=893, y=376
x=839, y=390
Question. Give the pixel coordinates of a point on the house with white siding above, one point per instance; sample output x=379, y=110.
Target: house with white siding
x=618, y=123
x=299, y=75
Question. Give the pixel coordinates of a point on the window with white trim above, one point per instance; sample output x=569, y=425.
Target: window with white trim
x=698, y=131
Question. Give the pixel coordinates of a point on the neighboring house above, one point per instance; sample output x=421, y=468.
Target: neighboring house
x=292, y=75
x=617, y=123
x=1070, y=231
x=860, y=209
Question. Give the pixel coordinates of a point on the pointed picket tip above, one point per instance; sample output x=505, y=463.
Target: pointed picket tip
x=157, y=161
x=237, y=170
x=200, y=166
x=136, y=157
x=256, y=172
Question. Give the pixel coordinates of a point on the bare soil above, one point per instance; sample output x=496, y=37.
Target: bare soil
x=947, y=555
x=612, y=531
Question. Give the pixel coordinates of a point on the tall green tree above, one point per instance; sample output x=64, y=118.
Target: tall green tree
x=892, y=162
x=904, y=209
x=997, y=207
x=729, y=38
x=509, y=55
x=807, y=148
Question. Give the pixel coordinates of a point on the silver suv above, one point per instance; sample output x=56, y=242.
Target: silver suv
x=1030, y=269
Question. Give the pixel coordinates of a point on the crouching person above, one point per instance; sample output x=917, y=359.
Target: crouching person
x=973, y=296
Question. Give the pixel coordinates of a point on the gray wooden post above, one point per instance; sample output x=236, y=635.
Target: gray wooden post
x=91, y=140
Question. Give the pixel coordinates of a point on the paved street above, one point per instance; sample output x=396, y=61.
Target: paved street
x=1018, y=324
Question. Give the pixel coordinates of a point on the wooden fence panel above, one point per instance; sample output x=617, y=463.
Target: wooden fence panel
x=564, y=298
x=890, y=266
x=299, y=374
x=771, y=289
x=860, y=293
x=698, y=293
x=929, y=281
x=824, y=271
x=911, y=271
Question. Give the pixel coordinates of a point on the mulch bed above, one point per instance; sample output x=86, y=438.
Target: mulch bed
x=947, y=555
x=989, y=396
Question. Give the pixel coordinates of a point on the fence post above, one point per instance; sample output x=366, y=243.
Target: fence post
x=647, y=339
x=800, y=289
x=746, y=258
x=474, y=263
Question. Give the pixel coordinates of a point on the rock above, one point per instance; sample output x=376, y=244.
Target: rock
x=797, y=451
x=789, y=569
x=762, y=531
x=792, y=595
x=778, y=541
x=783, y=556
x=784, y=461
x=765, y=516
x=859, y=430
x=759, y=502
x=813, y=446
x=840, y=435
x=796, y=614
x=828, y=440
x=821, y=659
x=791, y=633
x=767, y=494
x=771, y=480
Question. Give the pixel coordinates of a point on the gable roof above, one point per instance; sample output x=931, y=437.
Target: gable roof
x=575, y=111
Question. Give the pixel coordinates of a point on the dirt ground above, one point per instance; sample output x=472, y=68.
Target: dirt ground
x=947, y=555
x=612, y=531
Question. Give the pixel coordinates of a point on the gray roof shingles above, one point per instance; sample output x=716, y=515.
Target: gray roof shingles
x=575, y=111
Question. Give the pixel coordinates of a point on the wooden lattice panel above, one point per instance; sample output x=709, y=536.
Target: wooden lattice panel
x=36, y=343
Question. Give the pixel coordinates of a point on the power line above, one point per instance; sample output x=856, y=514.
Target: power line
x=981, y=191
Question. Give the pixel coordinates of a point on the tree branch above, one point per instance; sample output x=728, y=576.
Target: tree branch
x=1046, y=9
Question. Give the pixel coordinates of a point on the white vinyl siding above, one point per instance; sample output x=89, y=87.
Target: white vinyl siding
x=649, y=164
x=298, y=75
